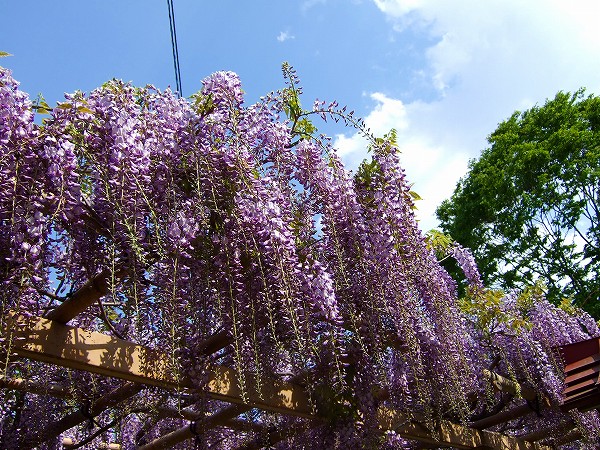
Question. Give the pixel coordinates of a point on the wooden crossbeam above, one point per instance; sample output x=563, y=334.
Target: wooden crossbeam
x=84, y=297
x=565, y=427
x=194, y=429
x=272, y=437
x=444, y=432
x=51, y=389
x=223, y=417
x=502, y=417
x=69, y=421
x=46, y=340
x=68, y=443
x=220, y=419
x=573, y=435
x=505, y=385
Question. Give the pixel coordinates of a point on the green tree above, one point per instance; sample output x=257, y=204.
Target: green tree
x=529, y=207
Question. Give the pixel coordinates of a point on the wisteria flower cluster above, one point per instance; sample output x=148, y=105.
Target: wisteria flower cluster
x=210, y=217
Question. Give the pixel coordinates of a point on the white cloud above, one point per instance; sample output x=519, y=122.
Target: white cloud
x=284, y=36
x=308, y=4
x=505, y=43
x=388, y=113
x=486, y=60
x=398, y=8
x=433, y=170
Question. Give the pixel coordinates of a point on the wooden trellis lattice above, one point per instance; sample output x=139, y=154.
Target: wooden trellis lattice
x=51, y=340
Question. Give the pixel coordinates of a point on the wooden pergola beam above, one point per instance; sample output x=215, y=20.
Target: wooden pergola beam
x=84, y=297
x=198, y=427
x=68, y=443
x=566, y=426
x=224, y=418
x=275, y=436
x=69, y=421
x=502, y=417
x=512, y=387
x=49, y=341
x=450, y=434
x=46, y=340
x=214, y=343
x=444, y=434
x=38, y=388
x=194, y=429
x=571, y=436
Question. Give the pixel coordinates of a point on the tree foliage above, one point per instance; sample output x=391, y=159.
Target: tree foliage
x=529, y=205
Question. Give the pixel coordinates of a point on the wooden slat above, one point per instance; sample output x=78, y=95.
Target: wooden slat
x=583, y=363
x=45, y=340
x=448, y=433
x=576, y=377
x=583, y=385
x=578, y=351
x=582, y=371
x=583, y=401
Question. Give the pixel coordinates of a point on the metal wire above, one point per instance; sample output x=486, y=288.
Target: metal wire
x=174, y=47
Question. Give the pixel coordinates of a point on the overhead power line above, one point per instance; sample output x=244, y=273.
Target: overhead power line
x=174, y=47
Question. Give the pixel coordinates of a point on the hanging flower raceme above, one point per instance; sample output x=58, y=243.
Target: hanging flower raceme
x=208, y=218
x=23, y=223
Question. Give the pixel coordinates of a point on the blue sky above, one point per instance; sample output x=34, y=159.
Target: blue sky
x=442, y=72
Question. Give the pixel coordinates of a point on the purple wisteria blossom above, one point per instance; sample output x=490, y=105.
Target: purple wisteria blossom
x=207, y=218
